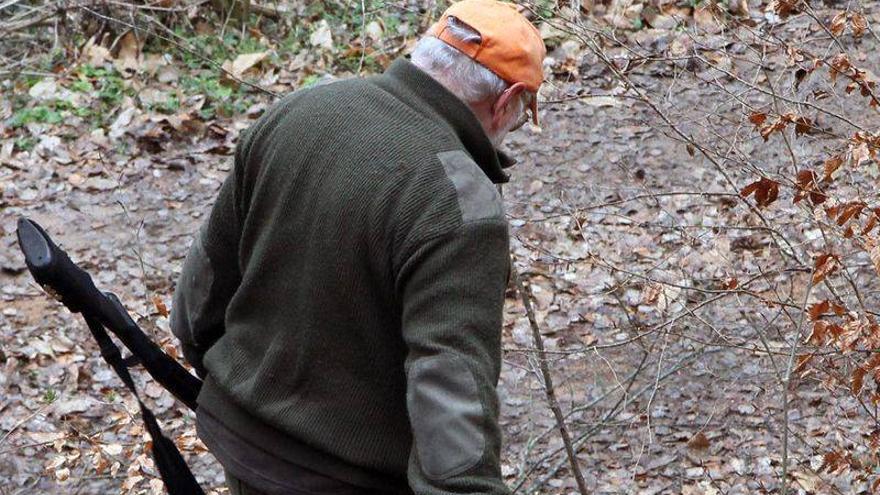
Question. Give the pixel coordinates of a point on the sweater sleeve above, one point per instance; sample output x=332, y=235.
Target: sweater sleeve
x=452, y=291
x=210, y=276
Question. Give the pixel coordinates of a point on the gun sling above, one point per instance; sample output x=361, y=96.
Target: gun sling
x=63, y=279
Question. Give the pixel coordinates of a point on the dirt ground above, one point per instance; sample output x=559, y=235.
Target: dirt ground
x=668, y=392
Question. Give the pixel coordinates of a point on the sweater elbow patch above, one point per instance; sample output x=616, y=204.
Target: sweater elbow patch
x=447, y=416
x=477, y=197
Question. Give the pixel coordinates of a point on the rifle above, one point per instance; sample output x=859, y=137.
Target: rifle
x=73, y=287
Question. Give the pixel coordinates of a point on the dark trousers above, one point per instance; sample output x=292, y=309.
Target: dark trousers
x=238, y=487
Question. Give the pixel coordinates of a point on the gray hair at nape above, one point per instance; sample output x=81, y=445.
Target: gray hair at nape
x=468, y=79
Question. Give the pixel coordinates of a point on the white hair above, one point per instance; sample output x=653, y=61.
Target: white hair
x=468, y=79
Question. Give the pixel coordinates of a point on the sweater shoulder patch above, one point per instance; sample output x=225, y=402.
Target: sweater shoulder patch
x=477, y=197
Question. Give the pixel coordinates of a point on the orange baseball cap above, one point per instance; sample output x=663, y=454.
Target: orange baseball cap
x=510, y=46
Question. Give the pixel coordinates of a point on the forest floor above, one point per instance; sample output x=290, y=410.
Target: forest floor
x=666, y=389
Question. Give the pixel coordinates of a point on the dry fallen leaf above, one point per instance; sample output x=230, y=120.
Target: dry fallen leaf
x=826, y=264
x=699, y=442
x=62, y=474
x=766, y=191
x=860, y=154
x=859, y=24
x=112, y=449
x=375, y=30
x=119, y=126
x=45, y=90
x=75, y=179
x=705, y=18
x=128, y=53
x=857, y=380
x=160, y=306
x=131, y=482
x=651, y=294
x=157, y=487
x=244, y=63
x=739, y=8
x=831, y=166
x=802, y=362
x=94, y=54
x=874, y=252
x=757, y=118
x=69, y=406
x=322, y=37
x=153, y=390
x=808, y=481
x=838, y=24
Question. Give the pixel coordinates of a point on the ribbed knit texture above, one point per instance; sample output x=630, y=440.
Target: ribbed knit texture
x=349, y=259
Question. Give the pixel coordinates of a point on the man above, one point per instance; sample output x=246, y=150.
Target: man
x=344, y=298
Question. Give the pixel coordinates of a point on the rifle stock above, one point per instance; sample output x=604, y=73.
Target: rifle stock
x=53, y=269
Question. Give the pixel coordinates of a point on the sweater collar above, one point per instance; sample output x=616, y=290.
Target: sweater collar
x=425, y=94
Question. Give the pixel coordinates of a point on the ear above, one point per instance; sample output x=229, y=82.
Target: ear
x=502, y=104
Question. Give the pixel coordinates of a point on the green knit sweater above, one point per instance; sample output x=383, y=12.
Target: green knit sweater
x=344, y=297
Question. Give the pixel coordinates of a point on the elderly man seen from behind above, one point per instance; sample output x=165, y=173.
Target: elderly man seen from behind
x=343, y=300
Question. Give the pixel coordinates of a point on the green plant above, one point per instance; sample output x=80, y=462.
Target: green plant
x=211, y=47
x=545, y=8
x=392, y=23
x=84, y=112
x=111, y=90
x=294, y=40
x=40, y=114
x=220, y=99
x=248, y=44
x=107, y=81
x=63, y=106
x=170, y=105
x=309, y=80
x=203, y=46
x=352, y=62
x=25, y=143
x=81, y=86
x=30, y=80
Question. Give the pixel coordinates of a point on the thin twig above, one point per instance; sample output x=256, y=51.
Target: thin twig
x=526, y=296
x=786, y=383
x=363, y=36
